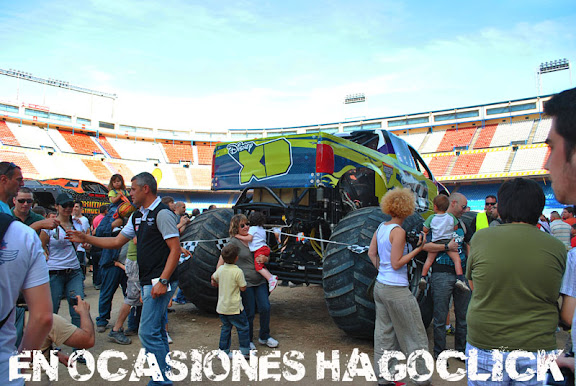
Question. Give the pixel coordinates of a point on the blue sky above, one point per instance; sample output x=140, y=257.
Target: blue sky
x=216, y=65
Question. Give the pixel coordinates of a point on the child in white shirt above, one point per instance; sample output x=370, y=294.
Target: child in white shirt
x=443, y=225
x=257, y=243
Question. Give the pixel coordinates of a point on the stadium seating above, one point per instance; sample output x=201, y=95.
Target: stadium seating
x=7, y=136
x=205, y=153
x=485, y=136
x=456, y=137
x=201, y=177
x=106, y=145
x=495, y=161
x=137, y=150
x=59, y=141
x=122, y=168
x=182, y=176
x=99, y=169
x=30, y=136
x=542, y=130
x=530, y=158
x=80, y=142
x=432, y=142
x=468, y=163
x=415, y=140
x=511, y=132
x=179, y=152
x=439, y=163
x=20, y=159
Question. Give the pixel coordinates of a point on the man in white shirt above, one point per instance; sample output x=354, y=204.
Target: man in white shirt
x=22, y=268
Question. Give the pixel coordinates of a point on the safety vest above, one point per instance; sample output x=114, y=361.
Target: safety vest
x=481, y=220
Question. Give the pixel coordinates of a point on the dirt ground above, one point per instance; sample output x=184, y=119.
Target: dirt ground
x=300, y=322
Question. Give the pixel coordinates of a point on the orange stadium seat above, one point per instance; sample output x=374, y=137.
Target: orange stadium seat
x=80, y=142
x=468, y=164
x=456, y=137
x=177, y=152
x=439, y=164
x=108, y=147
x=205, y=153
x=20, y=159
x=485, y=137
x=6, y=135
x=98, y=168
x=202, y=177
x=120, y=168
x=181, y=177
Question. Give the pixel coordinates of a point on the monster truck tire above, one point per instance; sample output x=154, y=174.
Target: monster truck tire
x=347, y=275
x=195, y=273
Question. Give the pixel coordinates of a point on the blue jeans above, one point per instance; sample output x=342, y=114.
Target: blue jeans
x=486, y=363
x=96, y=280
x=112, y=277
x=61, y=284
x=443, y=287
x=152, y=330
x=241, y=323
x=256, y=298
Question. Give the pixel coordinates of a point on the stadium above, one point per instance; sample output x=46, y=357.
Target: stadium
x=470, y=149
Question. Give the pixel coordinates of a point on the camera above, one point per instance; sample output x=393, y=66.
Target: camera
x=73, y=298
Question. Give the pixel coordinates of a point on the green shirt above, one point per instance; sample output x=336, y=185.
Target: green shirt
x=31, y=219
x=516, y=270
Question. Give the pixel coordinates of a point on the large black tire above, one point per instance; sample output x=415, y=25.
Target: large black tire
x=347, y=275
x=194, y=276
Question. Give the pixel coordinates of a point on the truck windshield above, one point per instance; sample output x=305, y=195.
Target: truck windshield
x=402, y=151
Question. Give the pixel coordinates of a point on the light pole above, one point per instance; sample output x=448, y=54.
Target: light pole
x=553, y=66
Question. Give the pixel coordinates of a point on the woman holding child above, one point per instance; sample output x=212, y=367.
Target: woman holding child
x=398, y=321
x=256, y=294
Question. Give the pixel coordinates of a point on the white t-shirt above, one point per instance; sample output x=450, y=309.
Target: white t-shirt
x=442, y=226
x=386, y=273
x=62, y=252
x=85, y=224
x=22, y=266
x=258, y=238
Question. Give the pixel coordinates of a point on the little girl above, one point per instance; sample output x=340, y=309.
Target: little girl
x=256, y=239
x=116, y=190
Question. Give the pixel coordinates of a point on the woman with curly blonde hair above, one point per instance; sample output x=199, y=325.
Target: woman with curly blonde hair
x=398, y=321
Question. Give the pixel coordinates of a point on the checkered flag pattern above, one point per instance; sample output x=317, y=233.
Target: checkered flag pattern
x=358, y=248
x=191, y=245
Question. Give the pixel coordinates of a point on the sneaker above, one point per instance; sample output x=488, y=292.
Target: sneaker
x=130, y=332
x=170, y=341
x=101, y=328
x=462, y=285
x=423, y=283
x=118, y=337
x=270, y=342
x=97, y=287
x=450, y=330
x=272, y=283
x=252, y=346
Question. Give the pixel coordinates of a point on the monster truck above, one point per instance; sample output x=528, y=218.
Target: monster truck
x=323, y=187
x=92, y=194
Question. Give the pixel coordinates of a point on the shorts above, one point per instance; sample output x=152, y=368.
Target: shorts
x=264, y=250
x=132, y=297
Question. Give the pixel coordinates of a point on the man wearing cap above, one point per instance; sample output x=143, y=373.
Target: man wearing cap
x=158, y=252
x=11, y=180
x=21, y=212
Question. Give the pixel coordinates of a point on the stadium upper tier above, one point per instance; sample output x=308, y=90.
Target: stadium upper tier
x=492, y=141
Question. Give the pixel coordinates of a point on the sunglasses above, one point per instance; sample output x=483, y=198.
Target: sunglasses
x=490, y=203
x=245, y=225
x=25, y=200
x=67, y=205
x=9, y=166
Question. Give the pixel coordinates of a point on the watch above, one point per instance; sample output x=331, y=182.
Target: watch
x=163, y=281
x=445, y=248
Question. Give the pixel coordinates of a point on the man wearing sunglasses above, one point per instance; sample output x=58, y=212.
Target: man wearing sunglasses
x=11, y=180
x=22, y=211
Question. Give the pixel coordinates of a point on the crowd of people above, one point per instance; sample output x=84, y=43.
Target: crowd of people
x=503, y=273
